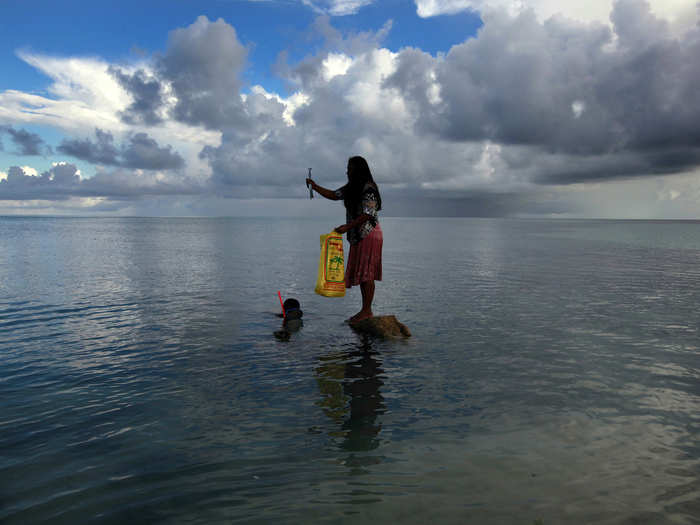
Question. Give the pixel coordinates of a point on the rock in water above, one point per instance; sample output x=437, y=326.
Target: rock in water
x=382, y=326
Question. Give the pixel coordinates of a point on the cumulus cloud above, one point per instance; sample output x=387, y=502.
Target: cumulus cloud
x=199, y=71
x=203, y=63
x=682, y=14
x=139, y=152
x=552, y=102
x=584, y=109
x=27, y=143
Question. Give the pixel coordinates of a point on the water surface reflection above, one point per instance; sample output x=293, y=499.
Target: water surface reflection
x=349, y=383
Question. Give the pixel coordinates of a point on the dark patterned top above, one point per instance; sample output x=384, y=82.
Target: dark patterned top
x=368, y=205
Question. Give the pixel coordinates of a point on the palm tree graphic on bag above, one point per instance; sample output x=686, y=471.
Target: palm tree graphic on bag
x=338, y=260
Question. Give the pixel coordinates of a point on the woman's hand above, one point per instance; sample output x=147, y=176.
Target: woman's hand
x=324, y=192
x=342, y=228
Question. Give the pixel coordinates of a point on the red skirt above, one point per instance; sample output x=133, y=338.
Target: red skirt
x=365, y=259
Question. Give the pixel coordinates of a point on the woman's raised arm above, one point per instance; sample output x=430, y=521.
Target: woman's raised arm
x=324, y=192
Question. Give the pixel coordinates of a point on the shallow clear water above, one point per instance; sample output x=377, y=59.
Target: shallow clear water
x=553, y=375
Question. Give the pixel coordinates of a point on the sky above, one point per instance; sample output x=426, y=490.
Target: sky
x=485, y=108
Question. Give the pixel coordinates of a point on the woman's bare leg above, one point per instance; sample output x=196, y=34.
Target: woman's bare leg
x=367, y=289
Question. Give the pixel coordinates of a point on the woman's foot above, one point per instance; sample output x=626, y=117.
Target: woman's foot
x=353, y=318
x=361, y=316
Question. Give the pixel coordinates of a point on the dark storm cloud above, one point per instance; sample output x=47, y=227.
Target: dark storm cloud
x=27, y=143
x=147, y=94
x=513, y=84
x=621, y=165
x=566, y=88
x=62, y=182
x=139, y=152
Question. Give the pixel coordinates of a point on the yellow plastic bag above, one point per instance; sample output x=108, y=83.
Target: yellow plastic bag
x=331, y=266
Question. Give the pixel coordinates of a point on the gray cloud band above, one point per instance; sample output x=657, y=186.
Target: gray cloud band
x=62, y=182
x=139, y=152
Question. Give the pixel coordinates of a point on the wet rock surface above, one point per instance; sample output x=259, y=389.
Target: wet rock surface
x=382, y=326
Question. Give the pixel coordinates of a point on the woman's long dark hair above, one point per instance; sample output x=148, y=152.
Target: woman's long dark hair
x=361, y=175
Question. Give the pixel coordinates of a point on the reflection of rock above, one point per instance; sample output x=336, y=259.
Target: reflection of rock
x=382, y=326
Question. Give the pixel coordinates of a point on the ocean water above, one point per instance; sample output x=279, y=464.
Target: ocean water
x=553, y=375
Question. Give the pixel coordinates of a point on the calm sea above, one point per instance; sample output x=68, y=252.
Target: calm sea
x=553, y=375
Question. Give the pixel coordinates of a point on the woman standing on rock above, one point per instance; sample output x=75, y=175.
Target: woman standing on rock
x=362, y=202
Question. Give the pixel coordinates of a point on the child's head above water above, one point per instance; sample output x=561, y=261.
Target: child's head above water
x=292, y=320
x=292, y=309
x=291, y=304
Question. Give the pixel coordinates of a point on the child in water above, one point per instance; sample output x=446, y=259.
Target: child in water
x=292, y=319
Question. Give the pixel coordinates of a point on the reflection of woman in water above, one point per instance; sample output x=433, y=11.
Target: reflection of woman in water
x=349, y=383
x=362, y=203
